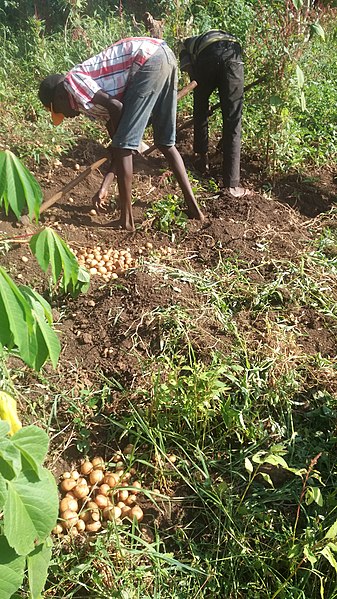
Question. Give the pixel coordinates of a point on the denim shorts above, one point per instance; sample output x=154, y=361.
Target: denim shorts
x=151, y=93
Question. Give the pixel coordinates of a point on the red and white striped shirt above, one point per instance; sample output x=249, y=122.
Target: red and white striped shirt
x=109, y=71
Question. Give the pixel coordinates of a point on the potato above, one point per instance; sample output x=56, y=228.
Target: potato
x=96, y=476
x=137, y=513
x=67, y=503
x=68, y=484
x=86, y=467
x=93, y=526
x=69, y=518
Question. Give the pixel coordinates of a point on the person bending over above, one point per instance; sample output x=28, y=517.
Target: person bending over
x=124, y=85
x=214, y=60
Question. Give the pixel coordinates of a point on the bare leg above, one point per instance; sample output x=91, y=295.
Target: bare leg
x=124, y=168
x=177, y=165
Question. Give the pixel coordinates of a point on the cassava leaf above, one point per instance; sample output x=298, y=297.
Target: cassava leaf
x=18, y=187
x=25, y=319
x=16, y=320
x=52, y=252
x=48, y=344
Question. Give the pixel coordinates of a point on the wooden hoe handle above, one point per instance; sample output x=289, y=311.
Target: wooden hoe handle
x=57, y=196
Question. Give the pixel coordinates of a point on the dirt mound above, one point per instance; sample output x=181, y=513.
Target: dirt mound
x=114, y=326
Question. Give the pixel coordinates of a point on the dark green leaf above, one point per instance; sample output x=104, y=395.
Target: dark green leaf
x=18, y=187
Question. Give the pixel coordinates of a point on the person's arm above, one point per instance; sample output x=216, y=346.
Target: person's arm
x=114, y=107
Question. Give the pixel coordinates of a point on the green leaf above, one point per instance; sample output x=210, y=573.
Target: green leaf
x=82, y=284
x=300, y=77
x=275, y=102
x=18, y=187
x=332, y=532
x=267, y=478
x=298, y=4
x=276, y=460
x=38, y=563
x=309, y=555
x=25, y=317
x=317, y=29
x=4, y=428
x=48, y=344
x=12, y=568
x=249, y=466
x=51, y=251
x=10, y=459
x=313, y=494
x=16, y=320
x=33, y=443
x=327, y=553
x=3, y=492
x=30, y=510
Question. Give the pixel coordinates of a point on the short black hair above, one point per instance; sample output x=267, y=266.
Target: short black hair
x=47, y=88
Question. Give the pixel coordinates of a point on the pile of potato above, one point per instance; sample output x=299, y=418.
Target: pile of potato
x=110, y=263
x=94, y=495
x=107, y=263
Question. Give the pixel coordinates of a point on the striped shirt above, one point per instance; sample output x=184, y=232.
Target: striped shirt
x=109, y=71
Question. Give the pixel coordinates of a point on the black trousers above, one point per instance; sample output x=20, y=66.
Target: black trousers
x=220, y=66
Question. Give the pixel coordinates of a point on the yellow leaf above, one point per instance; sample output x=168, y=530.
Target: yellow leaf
x=8, y=412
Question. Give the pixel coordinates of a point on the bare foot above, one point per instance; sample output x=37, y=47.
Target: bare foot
x=124, y=226
x=239, y=192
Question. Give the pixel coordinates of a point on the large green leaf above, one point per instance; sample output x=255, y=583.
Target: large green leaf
x=10, y=459
x=48, y=344
x=30, y=510
x=4, y=428
x=51, y=251
x=3, y=492
x=32, y=442
x=12, y=567
x=18, y=187
x=25, y=319
x=16, y=320
x=38, y=562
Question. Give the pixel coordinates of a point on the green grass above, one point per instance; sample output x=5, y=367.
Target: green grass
x=249, y=415
x=245, y=507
